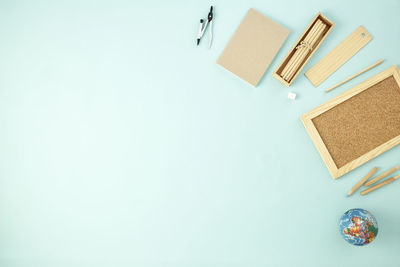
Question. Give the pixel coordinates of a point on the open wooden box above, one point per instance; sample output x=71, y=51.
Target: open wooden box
x=278, y=72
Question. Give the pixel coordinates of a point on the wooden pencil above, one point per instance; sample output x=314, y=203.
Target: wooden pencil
x=292, y=59
x=355, y=75
x=289, y=65
x=305, y=51
x=299, y=50
x=362, y=181
x=296, y=57
x=373, y=188
x=382, y=176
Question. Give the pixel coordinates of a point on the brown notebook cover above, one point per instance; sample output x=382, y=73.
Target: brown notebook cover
x=253, y=47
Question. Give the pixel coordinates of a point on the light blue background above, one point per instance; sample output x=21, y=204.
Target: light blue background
x=124, y=144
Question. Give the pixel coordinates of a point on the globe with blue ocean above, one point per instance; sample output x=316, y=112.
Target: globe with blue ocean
x=358, y=227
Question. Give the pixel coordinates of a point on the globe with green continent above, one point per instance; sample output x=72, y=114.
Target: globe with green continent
x=358, y=227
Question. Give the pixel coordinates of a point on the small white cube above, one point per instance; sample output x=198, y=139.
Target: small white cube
x=291, y=95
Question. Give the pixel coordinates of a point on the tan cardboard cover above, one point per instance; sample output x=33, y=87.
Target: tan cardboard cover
x=253, y=47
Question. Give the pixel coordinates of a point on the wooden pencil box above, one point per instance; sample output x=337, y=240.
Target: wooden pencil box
x=308, y=47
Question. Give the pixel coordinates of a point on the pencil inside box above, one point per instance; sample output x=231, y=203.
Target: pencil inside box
x=303, y=49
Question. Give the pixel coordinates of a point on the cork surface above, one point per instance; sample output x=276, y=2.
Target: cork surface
x=361, y=123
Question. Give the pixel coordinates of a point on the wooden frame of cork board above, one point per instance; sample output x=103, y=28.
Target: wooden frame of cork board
x=357, y=125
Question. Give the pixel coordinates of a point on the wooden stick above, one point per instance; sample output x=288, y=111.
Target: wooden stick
x=303, y=54
x=387, y=181
x=362, y=181
x=382, y=176
x=289, y=65
x=355, y=75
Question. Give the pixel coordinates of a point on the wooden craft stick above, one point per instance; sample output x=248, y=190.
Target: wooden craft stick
x=303, y=54
x=289, y=65
x=355, y=75
x=372, y=188
x=362, y=181
x=296, y=57
x=382, y=176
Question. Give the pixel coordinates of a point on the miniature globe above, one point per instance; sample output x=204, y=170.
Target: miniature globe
x=358, y=227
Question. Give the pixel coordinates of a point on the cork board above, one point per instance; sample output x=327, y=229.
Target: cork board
x=359, y=124
x=252, y=47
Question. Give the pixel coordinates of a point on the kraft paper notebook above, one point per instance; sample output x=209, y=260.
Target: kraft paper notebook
x=253, y=47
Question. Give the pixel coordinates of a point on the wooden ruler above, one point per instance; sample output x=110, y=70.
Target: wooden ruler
x=338, y=56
